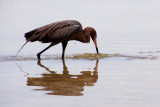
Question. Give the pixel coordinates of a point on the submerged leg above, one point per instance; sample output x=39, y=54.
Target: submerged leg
x=64, y=44
x=38, y=55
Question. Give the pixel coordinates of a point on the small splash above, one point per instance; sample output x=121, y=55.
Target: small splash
x=16, y=58
x=100, y=56
x=150, y=52
x=27, y=58
x=90, y=56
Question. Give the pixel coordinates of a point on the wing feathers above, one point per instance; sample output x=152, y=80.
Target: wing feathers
x=58, y=31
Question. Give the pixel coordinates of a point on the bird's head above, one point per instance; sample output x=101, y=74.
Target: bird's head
x=89, y=31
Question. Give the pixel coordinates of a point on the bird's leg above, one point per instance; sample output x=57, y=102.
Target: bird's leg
x=65, y=69
x=38, y=55
x=64, y=44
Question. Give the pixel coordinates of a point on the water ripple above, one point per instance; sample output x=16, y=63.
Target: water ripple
x=89, y=56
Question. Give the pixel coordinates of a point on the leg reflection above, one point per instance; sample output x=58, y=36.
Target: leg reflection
x=64, y=84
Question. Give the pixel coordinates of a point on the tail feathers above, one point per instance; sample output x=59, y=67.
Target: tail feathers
x=31, y=36
x=21, y=48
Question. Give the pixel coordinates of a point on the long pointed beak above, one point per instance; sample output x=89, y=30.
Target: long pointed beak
x=97, y=50
x=95, y=43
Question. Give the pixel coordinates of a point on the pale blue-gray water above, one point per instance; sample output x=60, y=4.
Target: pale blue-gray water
x=125, y=73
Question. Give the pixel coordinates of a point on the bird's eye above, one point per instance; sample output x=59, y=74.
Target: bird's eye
x=86, y=36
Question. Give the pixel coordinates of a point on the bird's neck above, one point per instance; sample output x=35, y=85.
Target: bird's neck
x=81, y=37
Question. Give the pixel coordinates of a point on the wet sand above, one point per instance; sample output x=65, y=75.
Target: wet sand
x=126, y=73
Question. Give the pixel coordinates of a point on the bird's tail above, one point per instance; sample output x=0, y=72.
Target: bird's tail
x=22, y=47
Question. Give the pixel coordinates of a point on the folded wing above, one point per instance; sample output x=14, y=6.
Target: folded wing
x=55, y=32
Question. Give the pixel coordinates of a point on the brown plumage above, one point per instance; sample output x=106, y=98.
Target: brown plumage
x=61, y=32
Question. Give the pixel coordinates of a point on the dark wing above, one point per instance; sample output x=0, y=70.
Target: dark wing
x=57, y=31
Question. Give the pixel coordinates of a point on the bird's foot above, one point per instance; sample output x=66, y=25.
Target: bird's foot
x=38, y=56
x=62, y=57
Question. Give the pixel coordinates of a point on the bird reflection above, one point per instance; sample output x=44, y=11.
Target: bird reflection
x=64, y=84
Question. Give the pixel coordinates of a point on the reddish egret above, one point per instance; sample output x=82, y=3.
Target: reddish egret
x=61, y=32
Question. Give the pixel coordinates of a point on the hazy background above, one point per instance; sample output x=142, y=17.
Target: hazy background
x=119, y=24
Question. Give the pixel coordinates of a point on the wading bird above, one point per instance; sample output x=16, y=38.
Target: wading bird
x=61, y=32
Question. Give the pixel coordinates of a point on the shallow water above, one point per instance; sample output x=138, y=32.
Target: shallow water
x=77, y=82
x=87, y=56
x=125, y=73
